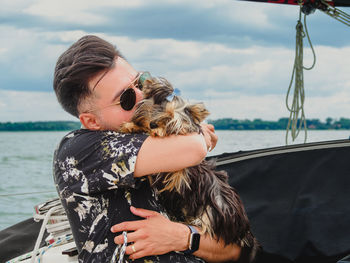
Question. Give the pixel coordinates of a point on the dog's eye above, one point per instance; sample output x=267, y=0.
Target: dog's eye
x=153, y=125
x=187, y=111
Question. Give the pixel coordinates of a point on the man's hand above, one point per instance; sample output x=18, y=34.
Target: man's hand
x=155, y=235
x=209, y=135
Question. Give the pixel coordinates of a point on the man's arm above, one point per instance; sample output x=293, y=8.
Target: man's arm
x=174, y=153
x=158, y=235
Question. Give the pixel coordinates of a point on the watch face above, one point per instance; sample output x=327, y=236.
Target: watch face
x=194, y=242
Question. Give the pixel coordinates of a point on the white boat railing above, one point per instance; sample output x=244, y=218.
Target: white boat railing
x=60, y=237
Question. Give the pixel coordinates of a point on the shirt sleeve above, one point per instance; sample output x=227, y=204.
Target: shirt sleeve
x=91, y=162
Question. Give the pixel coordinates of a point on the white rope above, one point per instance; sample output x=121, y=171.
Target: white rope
x=60, y=241
x=24, y=256
x=55, y=222
x=42, y=250
x=297, y=114
x=119, y=252
x=41, y=233
x=41, y=217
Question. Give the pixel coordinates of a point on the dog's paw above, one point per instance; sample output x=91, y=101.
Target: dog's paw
x=129, y=127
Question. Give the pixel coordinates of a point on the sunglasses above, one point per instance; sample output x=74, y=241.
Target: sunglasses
x=128, y=97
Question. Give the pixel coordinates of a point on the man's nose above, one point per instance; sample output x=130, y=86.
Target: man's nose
x=139, y=94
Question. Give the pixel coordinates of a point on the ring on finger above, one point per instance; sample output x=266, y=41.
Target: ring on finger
x=133, y=248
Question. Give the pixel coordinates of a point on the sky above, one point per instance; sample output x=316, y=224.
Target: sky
x=235, y=56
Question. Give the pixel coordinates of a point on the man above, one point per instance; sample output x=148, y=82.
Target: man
x=100, y=173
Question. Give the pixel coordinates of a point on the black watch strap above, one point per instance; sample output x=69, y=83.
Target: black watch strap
x=193, y=243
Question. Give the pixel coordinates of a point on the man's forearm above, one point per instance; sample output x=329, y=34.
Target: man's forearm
x=212, y=250
x=157, y=235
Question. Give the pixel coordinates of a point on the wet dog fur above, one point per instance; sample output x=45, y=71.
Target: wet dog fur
x=198, y=195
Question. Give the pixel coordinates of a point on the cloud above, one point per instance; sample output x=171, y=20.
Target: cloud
x=202, y=71
x=238, y=105
x=76, y=12
x=43, y=106
x=206, y=49
x=331, y=72
x=227, y=21
x=193, y=66
x=28, y=58
x=18, y=106
x=189, y=64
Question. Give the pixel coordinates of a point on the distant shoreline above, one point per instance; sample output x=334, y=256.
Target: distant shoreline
x=219, y=124
x=281, y=124
x=40, y=126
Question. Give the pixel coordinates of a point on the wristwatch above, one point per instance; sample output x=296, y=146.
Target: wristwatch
x=194, y=239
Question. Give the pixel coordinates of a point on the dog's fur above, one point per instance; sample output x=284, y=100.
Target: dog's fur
x=198, y=195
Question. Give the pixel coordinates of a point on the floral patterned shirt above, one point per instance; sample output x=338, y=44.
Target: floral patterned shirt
x=94, y=176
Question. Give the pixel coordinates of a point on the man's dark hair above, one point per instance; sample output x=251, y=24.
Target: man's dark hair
x=77, y=65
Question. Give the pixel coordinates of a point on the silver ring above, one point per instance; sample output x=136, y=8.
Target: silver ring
x=133, y=248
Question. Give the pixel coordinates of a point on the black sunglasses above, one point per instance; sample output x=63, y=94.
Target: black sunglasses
x=128, y=98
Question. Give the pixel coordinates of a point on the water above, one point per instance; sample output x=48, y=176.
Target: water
x=25, y=166
x=26, y=163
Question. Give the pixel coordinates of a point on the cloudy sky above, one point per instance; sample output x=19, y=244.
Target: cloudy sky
x=235, y=56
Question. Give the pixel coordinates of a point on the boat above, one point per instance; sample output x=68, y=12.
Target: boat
x=296, y=197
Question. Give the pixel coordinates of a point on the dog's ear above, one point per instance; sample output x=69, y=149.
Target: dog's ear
x=197, y=111
x=158, y=89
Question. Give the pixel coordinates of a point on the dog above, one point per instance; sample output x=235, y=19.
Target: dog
x=198, y=195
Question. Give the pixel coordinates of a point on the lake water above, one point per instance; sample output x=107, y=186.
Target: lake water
x=26, y=164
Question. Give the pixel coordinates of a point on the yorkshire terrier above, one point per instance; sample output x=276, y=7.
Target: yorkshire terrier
x=198, y=195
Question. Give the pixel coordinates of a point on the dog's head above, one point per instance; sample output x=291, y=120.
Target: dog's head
x=169, y=115
x=157, y=89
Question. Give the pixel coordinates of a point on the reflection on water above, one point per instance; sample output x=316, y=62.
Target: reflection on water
x=26, y=163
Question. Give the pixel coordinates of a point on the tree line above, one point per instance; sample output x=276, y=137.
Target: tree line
x=40, y=126
x=219, y=124
x=281, y=124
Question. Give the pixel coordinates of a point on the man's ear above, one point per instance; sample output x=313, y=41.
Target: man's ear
x=89, y=121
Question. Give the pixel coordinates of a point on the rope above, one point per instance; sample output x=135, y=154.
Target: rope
x=55, y=222
x=297, y=114
x=41, y=233
x=41, y=252
x=61, y=241
x=336, y=13
x=119, y=251
x=24, y=256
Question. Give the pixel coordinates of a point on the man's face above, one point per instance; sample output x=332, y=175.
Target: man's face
x=107, y=90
